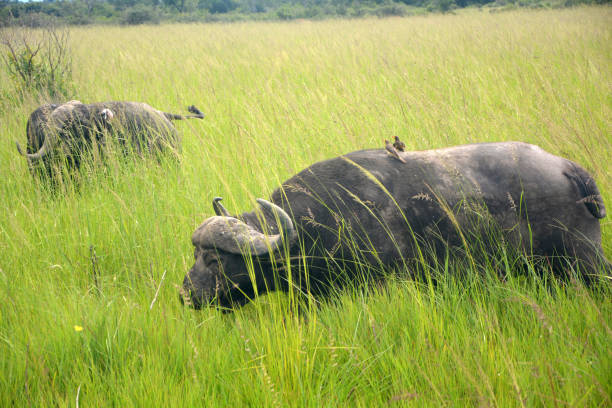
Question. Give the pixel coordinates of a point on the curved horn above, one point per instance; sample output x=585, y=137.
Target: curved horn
x=284, y=221
x=235, y=236
x=42, y=152
x=21, y=152
x=53, y=124
x=219, y=208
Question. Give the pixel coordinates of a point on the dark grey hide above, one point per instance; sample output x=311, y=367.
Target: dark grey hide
x=369, y=209
x=64, y=132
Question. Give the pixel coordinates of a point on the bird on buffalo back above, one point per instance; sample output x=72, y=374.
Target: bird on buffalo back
x=392, y=151
x=399, y=145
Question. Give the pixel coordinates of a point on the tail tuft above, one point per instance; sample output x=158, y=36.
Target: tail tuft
x=196, y=111
x=591, y=197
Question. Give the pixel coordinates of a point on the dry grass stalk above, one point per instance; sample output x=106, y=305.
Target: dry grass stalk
x=94, y=265
x=538, y=311
x=404, y=396
x=157, y=291
x=27, y=389
x=77, y=396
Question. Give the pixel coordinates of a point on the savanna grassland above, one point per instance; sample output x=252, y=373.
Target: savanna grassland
x=89, y=310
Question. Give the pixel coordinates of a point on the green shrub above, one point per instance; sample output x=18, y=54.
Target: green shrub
x=140, y=15
x=441, y=5
x=391, y=9
x=38, y=61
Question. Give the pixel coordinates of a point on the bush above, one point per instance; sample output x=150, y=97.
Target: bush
x=78, y=19
x=292, y=12
x=441, y=5
x=140, y=15
x=38, y=61
x=221, y=6
x=388, y=10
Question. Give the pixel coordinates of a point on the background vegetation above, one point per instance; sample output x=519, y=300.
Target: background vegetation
x=81, y=12
x=88, y=276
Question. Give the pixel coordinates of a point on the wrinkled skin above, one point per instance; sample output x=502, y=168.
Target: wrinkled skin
x=368, y=208
x=62, y=133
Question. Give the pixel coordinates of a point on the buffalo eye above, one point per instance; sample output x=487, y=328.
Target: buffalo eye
x=197, y=252
x=211, y=260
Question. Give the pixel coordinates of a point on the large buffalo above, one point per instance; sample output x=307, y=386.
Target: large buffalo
x=367, y=211
x=65, y=131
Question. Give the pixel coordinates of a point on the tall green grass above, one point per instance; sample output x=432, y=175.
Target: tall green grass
x=279, y=97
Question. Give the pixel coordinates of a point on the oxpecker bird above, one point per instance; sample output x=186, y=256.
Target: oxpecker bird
x=399, y=145
x=392, y=151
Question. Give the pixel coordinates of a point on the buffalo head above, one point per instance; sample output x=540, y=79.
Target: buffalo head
x=226, y=249
x=51, y=131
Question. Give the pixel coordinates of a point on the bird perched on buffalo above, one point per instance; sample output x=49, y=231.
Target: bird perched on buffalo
x=392, y=151
x=399, y=145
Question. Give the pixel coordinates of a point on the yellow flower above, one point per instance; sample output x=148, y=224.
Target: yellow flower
x=78, y=328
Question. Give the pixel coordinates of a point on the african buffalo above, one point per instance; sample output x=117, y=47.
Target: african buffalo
x=65, y=131
x=368, y=211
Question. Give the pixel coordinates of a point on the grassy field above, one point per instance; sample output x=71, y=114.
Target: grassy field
x=279, y=97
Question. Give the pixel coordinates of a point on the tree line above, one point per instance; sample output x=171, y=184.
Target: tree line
x=80, y=12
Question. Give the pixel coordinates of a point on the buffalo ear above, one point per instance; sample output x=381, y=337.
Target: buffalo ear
x=107, y=115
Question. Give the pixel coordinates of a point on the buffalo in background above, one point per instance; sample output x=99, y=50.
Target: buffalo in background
x=61, y=134
x=367, y=212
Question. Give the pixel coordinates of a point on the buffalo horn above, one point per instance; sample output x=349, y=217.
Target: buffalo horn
x=56, y=120
x=235, y=236
x=42, y=152
x=219, y=208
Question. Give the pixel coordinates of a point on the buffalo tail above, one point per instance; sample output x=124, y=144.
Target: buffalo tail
x=591, y=196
